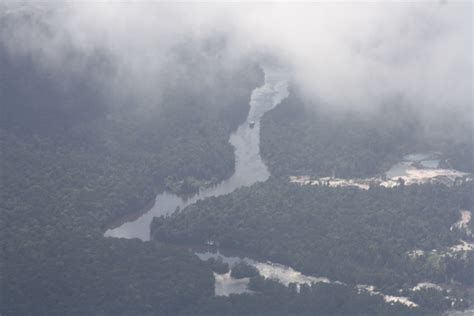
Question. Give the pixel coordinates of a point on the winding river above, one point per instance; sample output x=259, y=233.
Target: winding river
x=249, y=167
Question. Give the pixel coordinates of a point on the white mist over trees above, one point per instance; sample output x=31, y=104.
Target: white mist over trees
x=115, y=112
x=343, y=55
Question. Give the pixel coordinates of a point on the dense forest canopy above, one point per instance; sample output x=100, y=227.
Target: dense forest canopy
x=347, y=234
x=72, y=162
x=300, y=138
x=102, y=107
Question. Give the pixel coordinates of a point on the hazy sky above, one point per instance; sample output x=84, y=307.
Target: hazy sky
x=342, y=54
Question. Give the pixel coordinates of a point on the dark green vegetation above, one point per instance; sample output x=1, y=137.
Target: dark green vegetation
x=461, y=156
x=347, y=234
x=243, y=270
x=59, y=273
x=217, y=265
x=299, y=139
x=72, y=161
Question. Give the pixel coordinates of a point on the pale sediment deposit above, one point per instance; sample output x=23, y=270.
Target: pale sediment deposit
x=427, y=285
x=462, y=246
x=463, y=223
x=285, y=274
x=391, y=299
x=406, y=173
x=225, y=285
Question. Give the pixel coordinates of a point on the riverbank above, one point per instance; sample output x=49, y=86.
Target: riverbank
x=249, y=167
x=413, y=169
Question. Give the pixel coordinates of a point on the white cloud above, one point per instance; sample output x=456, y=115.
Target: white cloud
x=343, y=54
